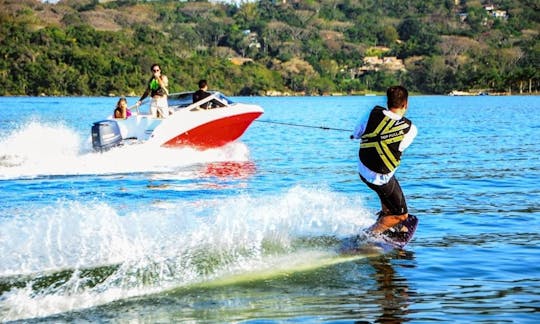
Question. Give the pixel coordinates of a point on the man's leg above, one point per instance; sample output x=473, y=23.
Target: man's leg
x=394, y=206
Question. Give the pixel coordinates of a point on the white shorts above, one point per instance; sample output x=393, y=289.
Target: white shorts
x=159, y=107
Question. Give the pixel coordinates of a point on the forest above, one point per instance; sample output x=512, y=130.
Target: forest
x=285, y=47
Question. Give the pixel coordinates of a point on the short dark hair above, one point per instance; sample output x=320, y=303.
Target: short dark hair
x=396, y=96
x=202, y=84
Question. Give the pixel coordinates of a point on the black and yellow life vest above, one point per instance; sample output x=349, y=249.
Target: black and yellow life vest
x=379, y=149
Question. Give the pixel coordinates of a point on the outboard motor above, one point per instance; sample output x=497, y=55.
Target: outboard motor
x=105, y=135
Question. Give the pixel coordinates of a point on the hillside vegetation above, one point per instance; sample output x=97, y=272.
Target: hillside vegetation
x=91, y=47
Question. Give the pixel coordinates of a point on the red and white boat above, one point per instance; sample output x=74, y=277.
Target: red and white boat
x=188, y=125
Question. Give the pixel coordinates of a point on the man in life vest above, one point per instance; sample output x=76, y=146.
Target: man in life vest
x=385, y=134
x=157, y=88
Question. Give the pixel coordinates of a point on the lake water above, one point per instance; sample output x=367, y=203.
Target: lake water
x=141, y=234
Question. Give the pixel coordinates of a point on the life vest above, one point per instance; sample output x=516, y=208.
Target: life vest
x=379, y=149
x=155, y=88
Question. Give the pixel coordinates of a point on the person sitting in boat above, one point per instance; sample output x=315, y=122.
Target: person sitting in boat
x=203, y=93
x=158, y=90
x=121, y=110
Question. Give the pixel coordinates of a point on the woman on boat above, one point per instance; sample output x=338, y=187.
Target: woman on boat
x=121, y=110
x=158, y=89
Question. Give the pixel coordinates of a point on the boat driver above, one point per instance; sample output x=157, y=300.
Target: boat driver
x=157, y=88
x=203, y=93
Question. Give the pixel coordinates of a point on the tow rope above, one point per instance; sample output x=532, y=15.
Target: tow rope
x=307, y=126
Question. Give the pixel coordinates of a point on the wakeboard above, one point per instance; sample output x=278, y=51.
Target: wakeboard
x=393, y=238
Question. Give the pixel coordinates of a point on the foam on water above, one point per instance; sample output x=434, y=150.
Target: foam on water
x=75, y=255
x=37, y=148
x=71, y=243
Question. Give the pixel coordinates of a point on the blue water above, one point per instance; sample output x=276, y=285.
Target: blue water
x=150, y=234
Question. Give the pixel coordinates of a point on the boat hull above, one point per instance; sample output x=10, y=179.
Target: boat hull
x=215, y=133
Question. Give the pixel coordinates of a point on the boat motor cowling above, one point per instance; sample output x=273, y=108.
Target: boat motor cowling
x=105, y=135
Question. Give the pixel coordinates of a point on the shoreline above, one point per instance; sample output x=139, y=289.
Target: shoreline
x=288, y=94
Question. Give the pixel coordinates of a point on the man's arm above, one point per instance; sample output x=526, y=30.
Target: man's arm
x=360, y=126
x=408, y=138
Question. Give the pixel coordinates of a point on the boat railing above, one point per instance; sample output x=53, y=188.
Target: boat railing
x=134, y=110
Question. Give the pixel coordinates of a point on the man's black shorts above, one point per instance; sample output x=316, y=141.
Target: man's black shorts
x=391, y=195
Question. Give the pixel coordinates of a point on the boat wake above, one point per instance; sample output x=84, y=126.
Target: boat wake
x=72, y=255
x=38, y=149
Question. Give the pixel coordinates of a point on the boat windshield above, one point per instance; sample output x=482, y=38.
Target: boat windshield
x=184, y=99
x=222, y=97
x=180, y=100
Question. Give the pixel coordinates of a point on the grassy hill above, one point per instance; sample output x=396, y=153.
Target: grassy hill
x=90, y=47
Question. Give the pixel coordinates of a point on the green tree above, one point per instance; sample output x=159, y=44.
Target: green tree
x=417, y=38
x=73, y=48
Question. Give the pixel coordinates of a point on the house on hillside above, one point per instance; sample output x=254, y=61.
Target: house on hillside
x=496, y=13
x=374, y=63
x=252, y=38
x=499, y=14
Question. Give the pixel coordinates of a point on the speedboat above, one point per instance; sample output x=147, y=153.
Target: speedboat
x=221, y=121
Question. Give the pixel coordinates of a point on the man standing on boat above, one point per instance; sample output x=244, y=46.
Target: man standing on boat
x=158, y=89
x=385, y=134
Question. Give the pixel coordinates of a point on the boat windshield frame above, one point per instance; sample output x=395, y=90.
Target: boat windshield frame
x=184, y=100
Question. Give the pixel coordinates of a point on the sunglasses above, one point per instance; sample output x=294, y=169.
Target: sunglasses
x=155, y=70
